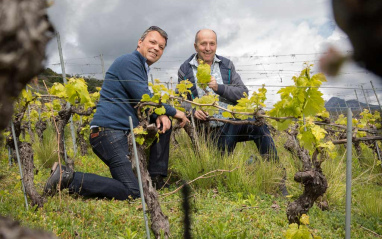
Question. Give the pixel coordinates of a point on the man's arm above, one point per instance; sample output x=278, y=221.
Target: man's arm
x=166, y=122
x=134, y=81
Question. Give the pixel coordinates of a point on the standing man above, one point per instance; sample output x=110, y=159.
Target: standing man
x=226, y=83
x=125, y=83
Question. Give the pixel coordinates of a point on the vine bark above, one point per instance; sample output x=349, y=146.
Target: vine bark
x=159, y=221
x=311, y=176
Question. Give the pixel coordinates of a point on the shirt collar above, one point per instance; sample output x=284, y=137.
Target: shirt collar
x=147, y=68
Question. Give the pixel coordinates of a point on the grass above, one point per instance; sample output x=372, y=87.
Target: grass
x=244, y=203
x=45, y=152
x=260, y=176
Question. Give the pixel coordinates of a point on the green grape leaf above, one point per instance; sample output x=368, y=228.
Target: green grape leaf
x=160, y=111
x=314, y=103
x=304, y=219
x=48, y=106
x=33, y=115
x=27, y=95
x=58, y=90
x=226, y=114
x=298, y=232
x=184, y=88
x=203, y=74
x=155, y=98
x=56, y=104
x=71, y=93
x=140, y=139
x=292, y=230
x=139, y=130
x=77, y=92
x=82, y=91
x=318, y=133
x=76, y=118
x=145, y=97
x=165, y=98
x=341, y=120
x=95, y=96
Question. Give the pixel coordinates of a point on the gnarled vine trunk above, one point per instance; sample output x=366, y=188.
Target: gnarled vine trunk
x=81, y=141
x=40, y=128
x=62, y=120
x=314, y=181
x=26, y=157
x=159, y=221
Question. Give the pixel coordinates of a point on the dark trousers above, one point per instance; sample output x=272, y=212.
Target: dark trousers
x=111, y=146
x=228, y=135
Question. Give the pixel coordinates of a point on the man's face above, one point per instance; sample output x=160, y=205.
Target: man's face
x=152, y=47
x=206, y=46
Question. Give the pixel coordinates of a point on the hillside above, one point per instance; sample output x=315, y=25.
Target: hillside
x=336, y=103
x=50, y=77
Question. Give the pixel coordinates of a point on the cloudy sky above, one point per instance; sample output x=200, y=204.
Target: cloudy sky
x=267, y=40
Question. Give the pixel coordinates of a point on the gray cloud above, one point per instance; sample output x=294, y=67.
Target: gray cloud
x=245, y=29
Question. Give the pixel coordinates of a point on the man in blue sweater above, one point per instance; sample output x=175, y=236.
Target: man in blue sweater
x=125, y=83
x=226, y=83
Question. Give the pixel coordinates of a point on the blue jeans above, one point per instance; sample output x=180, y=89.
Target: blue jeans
x=111, y=146
x=229, y=135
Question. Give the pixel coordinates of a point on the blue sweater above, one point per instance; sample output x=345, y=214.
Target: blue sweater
x=125, y=83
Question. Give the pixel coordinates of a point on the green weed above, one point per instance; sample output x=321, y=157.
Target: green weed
x=46, y=153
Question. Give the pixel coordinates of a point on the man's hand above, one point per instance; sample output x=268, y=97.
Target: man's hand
x=213, y=84
x=181, y=117
x=201, y=115
x=164, y=121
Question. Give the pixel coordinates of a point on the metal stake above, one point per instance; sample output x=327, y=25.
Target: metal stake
x=68, y=104
x=103, y=66
x=18, y=160
x=139, y=178
x=376, y=96
x=364, y=95
x=10, y=156
x=359, y=104
x=348, y=173
x=378, y=153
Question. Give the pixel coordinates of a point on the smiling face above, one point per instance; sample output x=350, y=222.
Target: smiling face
x=205, y=45
x=152, y=47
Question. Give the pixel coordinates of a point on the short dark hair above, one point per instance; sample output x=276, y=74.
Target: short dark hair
x=196, y=36
x=155, y=28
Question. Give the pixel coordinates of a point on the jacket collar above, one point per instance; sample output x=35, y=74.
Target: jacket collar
x=142, y=59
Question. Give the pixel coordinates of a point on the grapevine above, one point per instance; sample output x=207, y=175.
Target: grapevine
x=301, y=109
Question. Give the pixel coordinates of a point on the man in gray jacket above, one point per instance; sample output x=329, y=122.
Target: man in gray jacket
x=226, y=83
